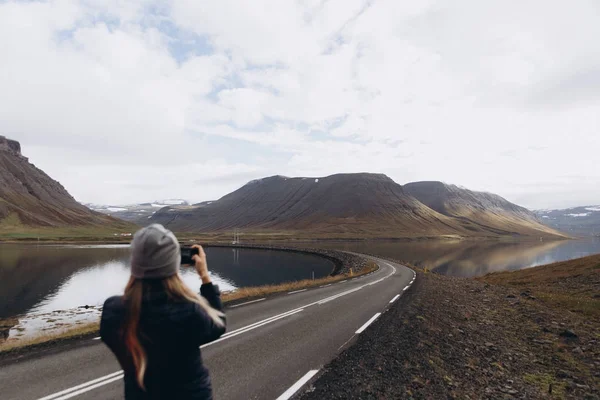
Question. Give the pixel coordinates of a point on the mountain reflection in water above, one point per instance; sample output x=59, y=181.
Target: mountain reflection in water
x=471, y=258
x=48, y=278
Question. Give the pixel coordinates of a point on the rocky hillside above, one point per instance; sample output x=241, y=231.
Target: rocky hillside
x=482, y=210
x=29, y=197
x=343, y=205
x=576, y=221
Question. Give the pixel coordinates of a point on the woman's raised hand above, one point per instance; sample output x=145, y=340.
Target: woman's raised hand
x=200, y=264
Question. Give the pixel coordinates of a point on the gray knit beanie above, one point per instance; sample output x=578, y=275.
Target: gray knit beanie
x=154, y=253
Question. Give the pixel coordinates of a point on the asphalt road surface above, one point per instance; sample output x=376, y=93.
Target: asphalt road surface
x=272, y=347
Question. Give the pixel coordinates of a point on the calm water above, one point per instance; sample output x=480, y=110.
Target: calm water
x=49, y=278
x=472, y=258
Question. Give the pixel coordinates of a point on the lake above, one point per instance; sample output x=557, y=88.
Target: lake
x=48, y=278
x=470, y=258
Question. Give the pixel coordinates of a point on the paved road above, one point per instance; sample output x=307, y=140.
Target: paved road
x=271, y=349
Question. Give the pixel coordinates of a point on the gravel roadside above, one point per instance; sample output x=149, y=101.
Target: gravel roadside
x=454, y=338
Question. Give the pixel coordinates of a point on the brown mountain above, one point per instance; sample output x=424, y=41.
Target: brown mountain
x=28, y=196
x=369, y=204
x=343, y=205
x=484, y=211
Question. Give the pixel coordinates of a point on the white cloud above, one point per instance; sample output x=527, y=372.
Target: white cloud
x=484, y=94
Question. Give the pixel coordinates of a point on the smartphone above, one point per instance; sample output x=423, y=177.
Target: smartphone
x=186, y=255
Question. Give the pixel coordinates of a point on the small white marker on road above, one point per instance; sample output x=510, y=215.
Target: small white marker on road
x=395, y=298
x=97, y=338
x=329, y=284
x=342, y=281
x=296, y=386
x=369, y=322
x=297, y=291
x=405, y=288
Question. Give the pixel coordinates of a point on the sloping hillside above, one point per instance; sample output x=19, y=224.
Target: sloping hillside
x=369, y=204
x=343, y=205
x=485, y=211
x=576, y=221
x=29, y=197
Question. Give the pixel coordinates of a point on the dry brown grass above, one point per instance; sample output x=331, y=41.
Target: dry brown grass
x=570, y=285
x=76, y=331
x=260, y=291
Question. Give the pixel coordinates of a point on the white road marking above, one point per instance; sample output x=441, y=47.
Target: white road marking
x=248, y=330
x=266, y=320
x=89, y=383
x=394, y=299
x=335, y=296
x=248, y=302
x=343, y=281
x=405, y=288
x=369, y=322
x=329, y=284
x=87, y=389
x=377, y=281
x=297, y=291
x=296, y=386
x=97, y=338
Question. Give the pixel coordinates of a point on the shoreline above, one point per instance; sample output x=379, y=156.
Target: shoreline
x=264, y=239
x=345, y=265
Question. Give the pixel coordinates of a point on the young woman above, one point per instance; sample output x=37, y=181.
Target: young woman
x=156, y=328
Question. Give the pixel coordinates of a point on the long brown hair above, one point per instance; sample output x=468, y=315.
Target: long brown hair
x=134, y=292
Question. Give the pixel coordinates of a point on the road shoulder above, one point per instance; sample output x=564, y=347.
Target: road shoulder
x=462, y=338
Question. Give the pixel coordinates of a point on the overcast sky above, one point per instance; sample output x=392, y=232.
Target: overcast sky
x=137, y=101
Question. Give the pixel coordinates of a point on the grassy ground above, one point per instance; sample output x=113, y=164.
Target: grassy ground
x=71, y=333
x=572, y=286
x=261, y=291
x=531, y=334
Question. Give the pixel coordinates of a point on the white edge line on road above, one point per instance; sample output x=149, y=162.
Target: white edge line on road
x=55, y=395
x=107, y=379
x=405, y=288
x=116, y=375
x=87, y=389
x=248, y=302
x=329, y=284
x=97, y=338
x=369, y=322
x=395, y=298
x=239, y=332
x=343, y=281
x=297, y=291
x=296, y=386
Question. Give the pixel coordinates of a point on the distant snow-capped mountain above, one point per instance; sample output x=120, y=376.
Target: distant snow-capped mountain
x=575, y=221
x=137, y=213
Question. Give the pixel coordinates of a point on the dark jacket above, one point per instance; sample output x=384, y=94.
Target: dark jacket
x=171, y=333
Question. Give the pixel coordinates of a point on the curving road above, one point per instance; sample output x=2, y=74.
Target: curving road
x=273, y=347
